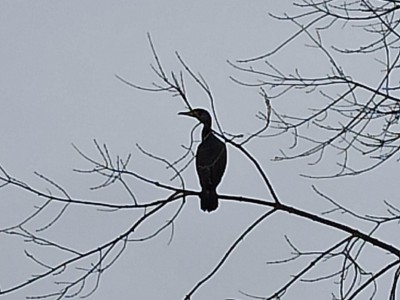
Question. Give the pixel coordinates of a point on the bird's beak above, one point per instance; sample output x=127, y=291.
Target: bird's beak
x=186, y=113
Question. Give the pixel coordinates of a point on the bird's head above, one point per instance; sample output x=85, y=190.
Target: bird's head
x=200, y=114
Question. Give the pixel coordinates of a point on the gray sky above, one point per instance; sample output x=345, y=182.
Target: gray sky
x=58, y=87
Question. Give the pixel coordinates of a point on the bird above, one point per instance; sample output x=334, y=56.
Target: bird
x=211, y=158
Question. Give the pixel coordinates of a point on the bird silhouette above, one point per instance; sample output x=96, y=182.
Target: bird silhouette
x=211, y=157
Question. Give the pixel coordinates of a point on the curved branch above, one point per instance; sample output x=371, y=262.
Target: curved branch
x=228, y=252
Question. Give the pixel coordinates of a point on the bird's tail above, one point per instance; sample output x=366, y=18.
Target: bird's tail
x=208, y=200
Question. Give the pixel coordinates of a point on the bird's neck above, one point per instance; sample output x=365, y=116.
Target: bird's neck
x=206, y=131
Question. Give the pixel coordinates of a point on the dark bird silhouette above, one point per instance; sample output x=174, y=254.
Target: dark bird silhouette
x=210, y=160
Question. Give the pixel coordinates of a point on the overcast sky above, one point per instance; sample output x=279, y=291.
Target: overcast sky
x=58, y=87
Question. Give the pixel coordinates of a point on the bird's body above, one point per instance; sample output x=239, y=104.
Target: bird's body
x=210, y=166
x=211, y=158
